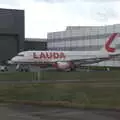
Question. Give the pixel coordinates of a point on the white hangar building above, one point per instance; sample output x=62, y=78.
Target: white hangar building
x=84, y=38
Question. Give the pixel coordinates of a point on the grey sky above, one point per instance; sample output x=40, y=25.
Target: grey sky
x=10, y=2
x=42, y=16
x=54, y=1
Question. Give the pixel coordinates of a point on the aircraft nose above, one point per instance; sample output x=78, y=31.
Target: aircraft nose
x=9, y=62
x=12, y=60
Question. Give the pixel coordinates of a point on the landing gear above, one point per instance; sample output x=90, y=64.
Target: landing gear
x=72, y=68
x=22, y=68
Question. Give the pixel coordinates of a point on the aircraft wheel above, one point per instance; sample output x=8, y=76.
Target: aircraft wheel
x=26, y=70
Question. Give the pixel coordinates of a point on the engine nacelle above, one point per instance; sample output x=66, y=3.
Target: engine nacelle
x=64, y=65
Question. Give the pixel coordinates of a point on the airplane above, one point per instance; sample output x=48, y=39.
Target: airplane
x=67, y=60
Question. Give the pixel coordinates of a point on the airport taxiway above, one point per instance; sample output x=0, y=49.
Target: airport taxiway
x=29, y=112
x=90, y=82
x=37, y=81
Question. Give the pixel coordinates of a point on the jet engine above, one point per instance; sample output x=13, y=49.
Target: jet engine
x=64, y=65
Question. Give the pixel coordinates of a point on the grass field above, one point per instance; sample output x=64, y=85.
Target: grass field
x=96, y=89
x=80, y=75
x=16, y=76
x=102, y=94
x=53, y=75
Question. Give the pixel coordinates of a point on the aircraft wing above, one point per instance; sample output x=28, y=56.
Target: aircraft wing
x=90, y=60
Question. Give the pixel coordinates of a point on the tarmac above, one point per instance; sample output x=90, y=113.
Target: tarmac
x=29, y=112
x=37, y=69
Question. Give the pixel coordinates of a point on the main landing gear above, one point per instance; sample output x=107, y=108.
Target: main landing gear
x=22, y=68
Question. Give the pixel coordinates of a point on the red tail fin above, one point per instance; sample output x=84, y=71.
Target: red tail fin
x=109, y=42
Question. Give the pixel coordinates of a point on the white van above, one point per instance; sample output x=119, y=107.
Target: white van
x=3, y=68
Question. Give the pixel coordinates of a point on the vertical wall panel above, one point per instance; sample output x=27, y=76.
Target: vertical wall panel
x=11, y=32
x=86, y=38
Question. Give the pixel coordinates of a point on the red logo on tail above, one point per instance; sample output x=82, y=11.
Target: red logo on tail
x=108, y=43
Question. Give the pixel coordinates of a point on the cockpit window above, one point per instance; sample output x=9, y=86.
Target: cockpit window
x=20, y=55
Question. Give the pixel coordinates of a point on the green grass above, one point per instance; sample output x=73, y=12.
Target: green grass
x=55, y=75
x=16, y=76
x=85, y=94
x=96, y=89
x=80, y=75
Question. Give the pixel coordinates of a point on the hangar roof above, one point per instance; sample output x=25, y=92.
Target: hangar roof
x=36, y=39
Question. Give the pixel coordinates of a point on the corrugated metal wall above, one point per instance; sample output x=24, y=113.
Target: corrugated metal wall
x=83, y=38
x=35, y=45
x=11, y=33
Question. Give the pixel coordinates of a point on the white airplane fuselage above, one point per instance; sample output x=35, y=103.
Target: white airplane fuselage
x=67, y=59
x=57, y=56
